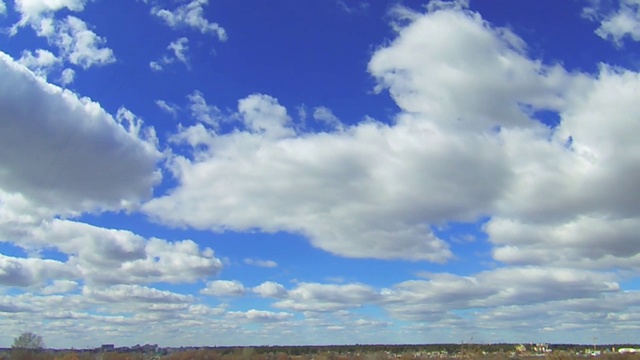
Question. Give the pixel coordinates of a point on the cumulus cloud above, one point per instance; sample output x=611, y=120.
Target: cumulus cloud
x=340, y=189
x=80, y=45
x=60, y=287
x=61, y=151
x=476, y=80
x=108, y=256
x=468, y=143
x=224, y=288
x=20, y=272
x=190, y=15
x=317, y=297
x=41, y=63
x=567, y=208
x=76, y=42
x=254, y=315
x=263, y=114
x=270, y=289
x=559, y=202
x=67, y=76
x=622, y=22
x=202, y=111
x=122, y=293
x=34, y=10
x=494, y=288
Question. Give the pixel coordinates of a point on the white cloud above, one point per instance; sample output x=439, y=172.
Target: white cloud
x=34, y=10
x=20, y=272
x=203, y=112
x=79, y=45
x=341, y=189
x=563, y=200
x=317, y=297
x=325, y=115
x=327, y=187
x=618, y=24
x=179, y=49
x=123, y=293
x=3, y=8
x=263, y=114
x=67, y=76
x=190, y=15
x=65, y=152
x=171, y=109
x=254, y=315
x=270, y=289
x=224, y=288
x=60, y=287
x=109, y=256
x=445, y=56
x=41, y=63
x=562, y=203
x=156, y=66
x=261, y=263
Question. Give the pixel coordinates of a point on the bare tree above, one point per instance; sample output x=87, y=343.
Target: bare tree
x=28, y=341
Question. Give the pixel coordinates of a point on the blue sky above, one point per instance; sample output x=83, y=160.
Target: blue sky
x=193, y=172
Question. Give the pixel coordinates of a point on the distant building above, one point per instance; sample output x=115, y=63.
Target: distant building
x=628, y=351
x=107, y=347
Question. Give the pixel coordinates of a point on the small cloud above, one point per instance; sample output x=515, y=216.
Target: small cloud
x=203, y=112
x=270, y=289
x=67, y=76
x=41, y=62
x=179, y=49
x=360, y=6
x=302, y=112
x=155, y=66
x=326, y=116
x=261, y=263
x=169, y=108
x=224, y=288
x=190, y=15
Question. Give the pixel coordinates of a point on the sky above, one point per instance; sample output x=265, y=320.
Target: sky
x=195, y=172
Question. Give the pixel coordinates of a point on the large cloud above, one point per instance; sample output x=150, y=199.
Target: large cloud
x=465, y=74
x=575, y=201
x=108, y=256
x=374, y=189
x=65, y=152
x=470, y=142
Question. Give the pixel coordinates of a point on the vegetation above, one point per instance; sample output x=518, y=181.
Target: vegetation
x=30, y=346
x=29, y=341
x=27, y=346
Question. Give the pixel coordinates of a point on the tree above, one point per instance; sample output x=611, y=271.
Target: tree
x=28, y=341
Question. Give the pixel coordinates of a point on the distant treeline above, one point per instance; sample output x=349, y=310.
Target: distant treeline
x=319, y=352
